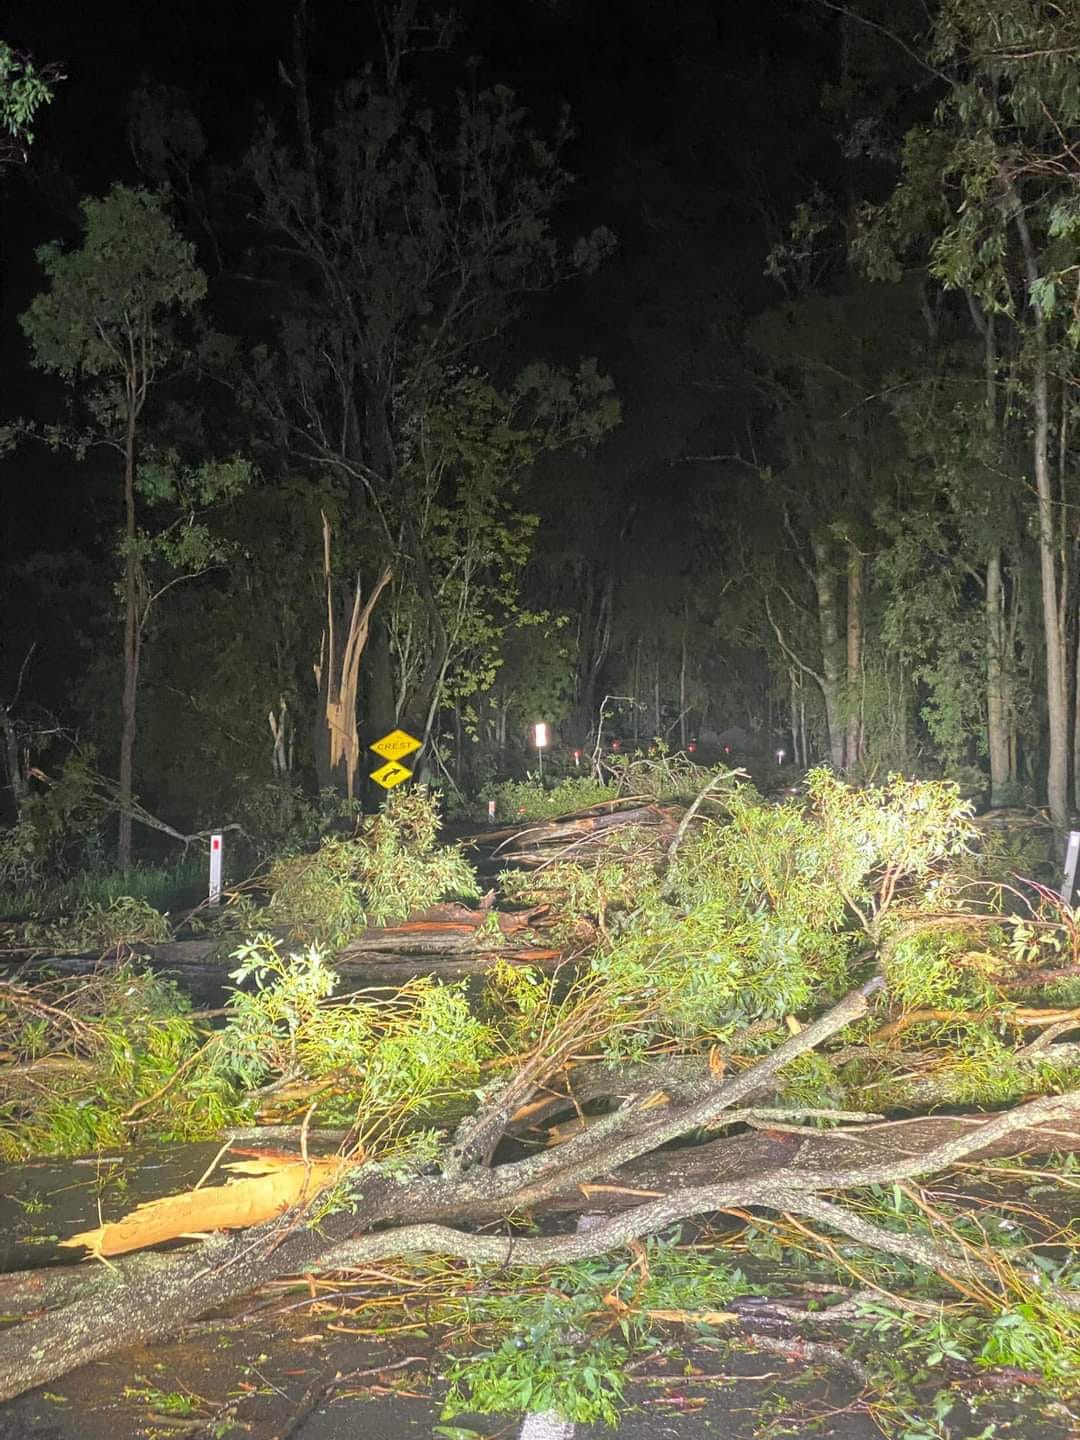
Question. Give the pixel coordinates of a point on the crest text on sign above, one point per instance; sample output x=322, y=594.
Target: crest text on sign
x=395, y=745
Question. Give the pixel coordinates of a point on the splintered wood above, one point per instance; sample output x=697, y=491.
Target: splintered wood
x=272, y=1185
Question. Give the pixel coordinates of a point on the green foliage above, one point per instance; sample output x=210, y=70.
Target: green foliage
x=88, y=1052
x=114, y=293
x=660, y=774
x=472, y=447
x=24, y=89
x=387, y=1060
x=768, y=898
x=100, y=927
x=550, y=1363
x=930, y=969
x=529, y=800
x=1030, y=1332
x=619, y=881
x=568, y=1334
x=58, y=828
x=657, y=775
x=186, y=545
x=391, y=869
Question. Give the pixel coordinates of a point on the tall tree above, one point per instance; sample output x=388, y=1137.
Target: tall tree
x=106, y=325
x=989, y=186
x=402, y=233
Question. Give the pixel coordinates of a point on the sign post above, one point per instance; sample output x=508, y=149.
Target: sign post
x=1072, y=855
x=214, y=897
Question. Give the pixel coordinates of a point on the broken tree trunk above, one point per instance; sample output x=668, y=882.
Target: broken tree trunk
x=337, y=675
x=573, y=837
x=149, y=1296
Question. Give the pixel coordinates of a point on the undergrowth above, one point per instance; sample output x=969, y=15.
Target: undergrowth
x=392, y=868
x=98, y=929
x=51, y=899
x=529, y=800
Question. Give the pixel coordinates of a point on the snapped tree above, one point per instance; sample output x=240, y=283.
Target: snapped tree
x=402, y=235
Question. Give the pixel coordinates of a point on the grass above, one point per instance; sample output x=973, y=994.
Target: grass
x=52, y=900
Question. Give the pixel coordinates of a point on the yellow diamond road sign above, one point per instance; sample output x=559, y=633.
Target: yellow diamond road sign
x=395, y=745
x=390, y=774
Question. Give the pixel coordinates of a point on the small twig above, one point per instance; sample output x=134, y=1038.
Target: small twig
x=212, y=1166
x=812, y=1352
x=383, y=1369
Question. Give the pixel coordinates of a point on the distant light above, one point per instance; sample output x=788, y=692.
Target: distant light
x=540, y=733
x=616, y=744
x=780, y=757
x=727, y=749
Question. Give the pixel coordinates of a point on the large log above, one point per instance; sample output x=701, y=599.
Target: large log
x=572, y=838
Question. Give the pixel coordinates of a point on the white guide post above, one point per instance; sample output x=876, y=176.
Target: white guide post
x=1072, y=855
x=214, y=897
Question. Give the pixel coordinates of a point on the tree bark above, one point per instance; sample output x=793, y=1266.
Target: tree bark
x=13, y=766
x=996, y=708
x=682, y=678
x=793, y=701
x=337, y=674
x=830, y=651
x=594, y=640
x=854, y=749
x=1057, y=689
x=128, y=718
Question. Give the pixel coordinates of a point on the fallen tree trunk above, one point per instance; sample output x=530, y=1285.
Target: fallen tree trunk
x=538, y=842
x=449, y=940
x=149, y=1296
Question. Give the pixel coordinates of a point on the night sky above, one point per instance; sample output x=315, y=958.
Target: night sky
x=696, y=126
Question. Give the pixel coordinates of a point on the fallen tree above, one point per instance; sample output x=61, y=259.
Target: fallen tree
x=149, y=1296
x=705, y=1018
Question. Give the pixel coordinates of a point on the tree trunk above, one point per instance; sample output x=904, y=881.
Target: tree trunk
x=148, y=1296
x=131, y=647
x=635, y=691
x=595, y=639
x=1057, y=689
x=337, y=674
x=996, y=707
x=793, y=692
x=854, y=751
x=830, y=647
x=682, y=680
x=13, y=763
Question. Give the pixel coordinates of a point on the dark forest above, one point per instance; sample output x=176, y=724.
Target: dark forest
x=568, y=510
x=641, y=356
